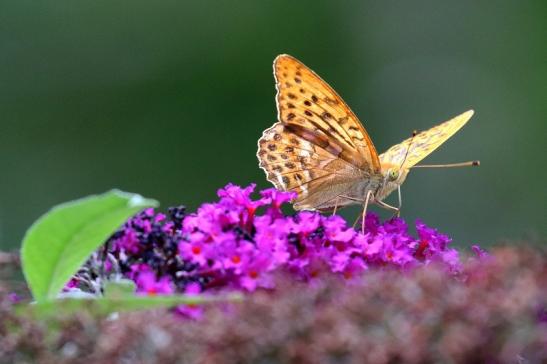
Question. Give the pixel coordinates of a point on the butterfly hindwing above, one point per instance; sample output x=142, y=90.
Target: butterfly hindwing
x=292, y=163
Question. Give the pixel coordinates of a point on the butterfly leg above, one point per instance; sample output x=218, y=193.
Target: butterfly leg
x=389, y=207
x=355, y=222
x=335, y=207
x=367, y=199
x=398, y=213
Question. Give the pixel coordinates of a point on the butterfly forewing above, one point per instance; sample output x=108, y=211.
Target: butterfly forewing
x=311, y=109
x=411, y=151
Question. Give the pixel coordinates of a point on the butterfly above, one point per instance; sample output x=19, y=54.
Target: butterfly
x=320, y=150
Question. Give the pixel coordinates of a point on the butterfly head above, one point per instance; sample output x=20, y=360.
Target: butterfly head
x=393, y=177
x=393, y=174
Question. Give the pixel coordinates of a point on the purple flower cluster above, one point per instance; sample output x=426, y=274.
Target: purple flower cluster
x=238, y=243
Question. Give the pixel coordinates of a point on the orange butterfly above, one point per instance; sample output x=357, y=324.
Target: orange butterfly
x=320, y=150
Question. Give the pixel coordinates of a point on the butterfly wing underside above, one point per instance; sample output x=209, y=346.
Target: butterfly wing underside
x=294, y=164
x=319, y=148
x=412, y=150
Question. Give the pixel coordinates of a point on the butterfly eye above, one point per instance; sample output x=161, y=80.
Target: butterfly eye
x=393, y=174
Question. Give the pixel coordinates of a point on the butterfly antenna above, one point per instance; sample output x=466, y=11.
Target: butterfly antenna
x=451, y=165
x=414, y=133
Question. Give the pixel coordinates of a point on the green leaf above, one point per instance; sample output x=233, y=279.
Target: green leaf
x=60, y=241
x=107, y=305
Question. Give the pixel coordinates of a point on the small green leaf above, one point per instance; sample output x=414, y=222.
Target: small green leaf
x=107, y=305
x=60, y=241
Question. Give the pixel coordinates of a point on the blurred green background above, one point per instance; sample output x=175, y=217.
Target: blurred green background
x=168, y=99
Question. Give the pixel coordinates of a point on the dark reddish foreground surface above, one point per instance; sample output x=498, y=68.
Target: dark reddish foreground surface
x=494, y=311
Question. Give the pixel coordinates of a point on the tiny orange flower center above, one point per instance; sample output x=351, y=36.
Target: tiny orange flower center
x=253, y=274
x=236, y=259
x=196, y=249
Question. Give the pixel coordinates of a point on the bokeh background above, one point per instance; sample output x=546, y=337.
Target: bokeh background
x=169, y=98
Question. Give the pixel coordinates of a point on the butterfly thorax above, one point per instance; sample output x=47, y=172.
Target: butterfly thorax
x=357, y=192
